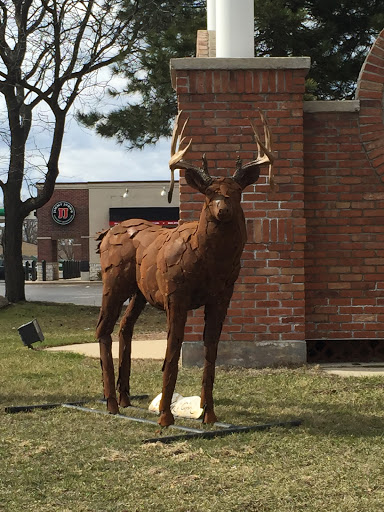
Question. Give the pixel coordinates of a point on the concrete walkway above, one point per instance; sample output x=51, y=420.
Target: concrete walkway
x=354, y=369
x=141, y=349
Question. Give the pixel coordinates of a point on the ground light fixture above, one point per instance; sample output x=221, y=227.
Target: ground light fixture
x=30, y=333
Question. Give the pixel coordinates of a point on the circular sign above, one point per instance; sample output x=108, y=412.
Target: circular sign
x=63, y=212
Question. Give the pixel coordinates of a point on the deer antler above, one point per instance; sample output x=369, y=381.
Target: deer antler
x=264, y=152
x=177, y=140
x=249, y=173
x=177, y=154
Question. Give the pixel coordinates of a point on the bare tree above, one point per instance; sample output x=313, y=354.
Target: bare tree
x=30, y=231
x=65, y=249
x=50, y=51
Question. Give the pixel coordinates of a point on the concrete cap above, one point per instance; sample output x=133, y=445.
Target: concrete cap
x=214, y=63
x=241, y=63
x=332, y=106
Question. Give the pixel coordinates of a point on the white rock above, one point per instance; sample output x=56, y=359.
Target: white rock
x=187, y=407
x=155, y=404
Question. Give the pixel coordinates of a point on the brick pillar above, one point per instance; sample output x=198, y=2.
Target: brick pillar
x=77, y=251
x=85, y=248
x=47, y=250
x=265, y=322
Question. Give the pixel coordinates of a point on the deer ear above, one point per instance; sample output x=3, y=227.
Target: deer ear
x=247, y=175
x=198, y=179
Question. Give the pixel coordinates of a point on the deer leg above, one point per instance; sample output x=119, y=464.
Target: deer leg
x=132, y=313
x=214, y=318
x=176, y=317
x=109, y=313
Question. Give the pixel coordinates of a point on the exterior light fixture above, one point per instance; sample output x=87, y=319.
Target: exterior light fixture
x=163, y=193
x=126, y=193
x=30, y=333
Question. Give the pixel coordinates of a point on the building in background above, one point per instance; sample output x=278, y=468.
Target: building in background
x=70, y=221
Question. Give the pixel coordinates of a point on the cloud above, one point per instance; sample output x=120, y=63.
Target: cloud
x=88, y=157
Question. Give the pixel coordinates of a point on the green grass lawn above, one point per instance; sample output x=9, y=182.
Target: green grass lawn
x=69, y=461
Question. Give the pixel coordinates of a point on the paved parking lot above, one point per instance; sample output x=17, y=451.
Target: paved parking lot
x=83, y=293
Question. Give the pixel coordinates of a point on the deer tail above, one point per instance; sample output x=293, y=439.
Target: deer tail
x=99, y=238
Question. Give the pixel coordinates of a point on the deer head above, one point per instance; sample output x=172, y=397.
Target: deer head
x=218, y=191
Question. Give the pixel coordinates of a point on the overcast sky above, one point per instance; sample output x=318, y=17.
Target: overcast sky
x=88, y=157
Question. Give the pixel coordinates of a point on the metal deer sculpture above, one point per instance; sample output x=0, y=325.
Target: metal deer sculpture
x=193, y=265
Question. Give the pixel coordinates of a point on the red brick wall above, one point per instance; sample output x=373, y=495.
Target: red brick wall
x=344, y=205
x=268, y=300
x=313, y=266
x=79, y=227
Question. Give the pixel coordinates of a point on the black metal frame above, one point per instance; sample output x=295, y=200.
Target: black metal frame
x=28, y=408
x=225, y=429
x=210, y=434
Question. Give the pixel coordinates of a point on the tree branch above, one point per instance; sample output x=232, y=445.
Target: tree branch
x=21, y=16
x=79, y=37
x=4, y=47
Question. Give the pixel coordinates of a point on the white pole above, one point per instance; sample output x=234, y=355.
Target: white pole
x=211, y=14
x=235, y=28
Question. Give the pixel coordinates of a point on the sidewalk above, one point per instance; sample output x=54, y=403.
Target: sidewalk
x=354, y=369
x=141, y=349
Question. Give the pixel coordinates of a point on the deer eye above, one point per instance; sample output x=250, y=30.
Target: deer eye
x=211, y=193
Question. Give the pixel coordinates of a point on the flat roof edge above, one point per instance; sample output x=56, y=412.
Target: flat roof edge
x=86, y=184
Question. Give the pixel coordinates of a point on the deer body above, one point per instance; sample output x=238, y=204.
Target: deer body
x=193, y=265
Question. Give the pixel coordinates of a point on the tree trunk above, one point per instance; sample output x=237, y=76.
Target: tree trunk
x=13, y=256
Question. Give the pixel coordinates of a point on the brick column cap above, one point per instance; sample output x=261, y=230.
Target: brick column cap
x=332, y=106
x=213, y=63
x=241, y=63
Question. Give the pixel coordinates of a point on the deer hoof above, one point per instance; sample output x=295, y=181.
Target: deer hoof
x=112, y=406
x=209, y=417
x=124, y=400
x=166, y=419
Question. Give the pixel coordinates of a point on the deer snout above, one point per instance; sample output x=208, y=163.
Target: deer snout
x=223, y=210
